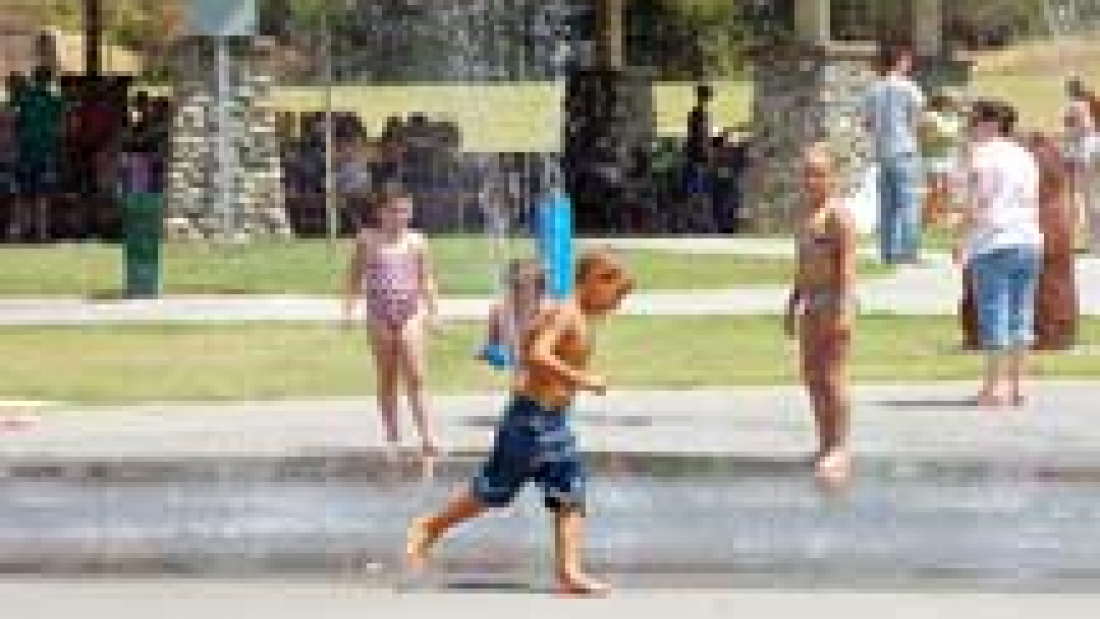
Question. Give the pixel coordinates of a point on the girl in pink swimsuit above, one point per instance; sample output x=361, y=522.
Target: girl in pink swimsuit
x=391, y=272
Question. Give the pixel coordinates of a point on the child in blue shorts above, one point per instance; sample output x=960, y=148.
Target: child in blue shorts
x=534, y=442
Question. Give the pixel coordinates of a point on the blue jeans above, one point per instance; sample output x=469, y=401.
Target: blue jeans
x=899, y=227
x=1004, y=284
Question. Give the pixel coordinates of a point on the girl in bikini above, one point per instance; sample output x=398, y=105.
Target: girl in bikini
x=391, y=271
x=822, y=308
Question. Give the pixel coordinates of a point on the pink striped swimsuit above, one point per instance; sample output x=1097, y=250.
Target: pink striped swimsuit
x=392, y=287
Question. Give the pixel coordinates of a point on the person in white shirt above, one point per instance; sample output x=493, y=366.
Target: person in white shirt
x=1001, y=244
x=892, y=110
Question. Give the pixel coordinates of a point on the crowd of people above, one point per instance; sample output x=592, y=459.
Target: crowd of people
x=60, y=142
x=415, y=152
x=1009, y=196
x=1015, y=201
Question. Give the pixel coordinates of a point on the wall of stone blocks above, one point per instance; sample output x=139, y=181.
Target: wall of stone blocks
x=248, y=201
x=802, y=98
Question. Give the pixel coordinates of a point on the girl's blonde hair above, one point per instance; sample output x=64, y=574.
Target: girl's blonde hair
x=524, y=266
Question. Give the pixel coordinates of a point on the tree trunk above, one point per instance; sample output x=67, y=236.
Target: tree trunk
x=93, y=35
x=610, y=37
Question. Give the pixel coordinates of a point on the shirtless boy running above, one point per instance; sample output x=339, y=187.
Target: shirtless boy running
x=534, y=442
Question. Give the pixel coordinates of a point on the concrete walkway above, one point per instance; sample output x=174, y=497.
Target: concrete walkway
x=913, y=421
x=276, y=599
x=931, y=288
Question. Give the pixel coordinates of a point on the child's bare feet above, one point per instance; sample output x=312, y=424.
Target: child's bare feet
x=988, y=399
x=430, y=449
x=581, y=584
x=834, y=466
x=418, y=544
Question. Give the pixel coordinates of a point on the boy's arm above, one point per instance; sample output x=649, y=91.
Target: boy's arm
x=427, y=276
x=546, y=335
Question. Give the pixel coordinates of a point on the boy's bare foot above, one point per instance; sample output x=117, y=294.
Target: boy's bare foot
x=988, y=399
x=834, y=466
x=1019, y=400
x=418, y=545
x=580, y=584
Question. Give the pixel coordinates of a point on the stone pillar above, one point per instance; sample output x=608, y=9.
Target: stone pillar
x=610, y=38
x=192, y=208
x=93, y=37
x=608, y=118
x=813, y=21
x=928, y=27
x=802, y=95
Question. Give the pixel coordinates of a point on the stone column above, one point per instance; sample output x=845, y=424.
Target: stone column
x=813, y=21
x=610, y=36
x=608, y=119
x=802, y=95
x=93, y=36
x=928, y=27
x=192, y=207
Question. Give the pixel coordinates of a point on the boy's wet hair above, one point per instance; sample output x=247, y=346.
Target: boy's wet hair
x=593, y=258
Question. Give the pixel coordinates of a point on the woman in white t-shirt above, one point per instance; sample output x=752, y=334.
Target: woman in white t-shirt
x=1002, y=246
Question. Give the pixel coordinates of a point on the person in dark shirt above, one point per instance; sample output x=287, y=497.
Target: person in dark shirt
x=40, y=132
x=730, y=157
x=697, y=146
x=698, y=152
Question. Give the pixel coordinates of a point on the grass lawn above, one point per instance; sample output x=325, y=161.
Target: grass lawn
x=141, y=363
x=465, y=265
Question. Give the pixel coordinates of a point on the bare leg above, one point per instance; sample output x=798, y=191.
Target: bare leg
x=568, y=540
x=807, y=348
x=992, y=393
x=834, y=465
x=412, y=368
x=42, y=218
x=824, y=368
x=1017, y=369
x=17, y=223
x=386, y=368
x=425, y=532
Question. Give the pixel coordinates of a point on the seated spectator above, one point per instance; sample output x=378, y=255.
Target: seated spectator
x=351, y=181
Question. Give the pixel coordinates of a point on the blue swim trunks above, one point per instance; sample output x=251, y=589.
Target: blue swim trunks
x=533, y=444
